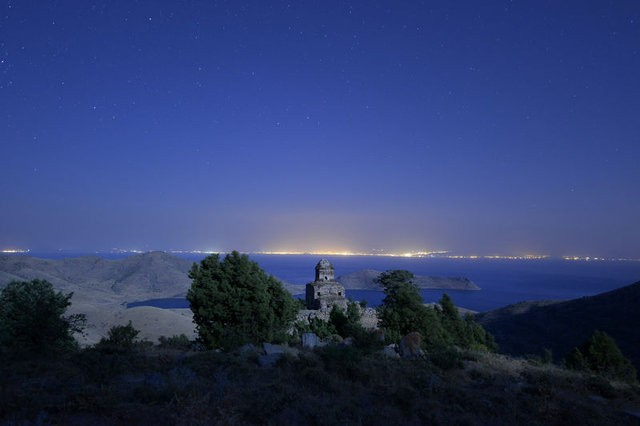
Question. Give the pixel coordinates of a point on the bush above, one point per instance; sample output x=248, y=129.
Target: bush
x=32, y=319
x=600, y=354
x=121, y=338
x=321, y=328
x=180, y=342
x=446, y=357
x=346, y=323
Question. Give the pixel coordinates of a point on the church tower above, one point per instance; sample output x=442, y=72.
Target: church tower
x=324, y=271
x=325, y=292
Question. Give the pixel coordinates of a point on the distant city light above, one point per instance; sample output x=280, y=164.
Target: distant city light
x=436, y=254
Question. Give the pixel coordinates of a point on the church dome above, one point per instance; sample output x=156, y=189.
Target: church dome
x=323, y=264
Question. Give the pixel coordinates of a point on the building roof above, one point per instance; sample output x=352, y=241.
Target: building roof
x=324, y=264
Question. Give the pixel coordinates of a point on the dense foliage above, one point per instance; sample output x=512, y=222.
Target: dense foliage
x=235, y=302
x=32, y=319
x=180, y=342
x=463, y=331
x=600, y=354
x=403, y=311
x=320, y=327
x=346, y=323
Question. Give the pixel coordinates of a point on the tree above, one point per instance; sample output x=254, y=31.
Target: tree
x=32, y=319
x=464, y=332
x=403, y=310
x=601, y=354
x=391, y=281
x=235, y=302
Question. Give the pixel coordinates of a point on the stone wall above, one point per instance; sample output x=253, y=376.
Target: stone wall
x=368, y=319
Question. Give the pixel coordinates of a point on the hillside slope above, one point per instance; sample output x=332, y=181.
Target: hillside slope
x=528, y=327
x=102, y=288
x=147, y=275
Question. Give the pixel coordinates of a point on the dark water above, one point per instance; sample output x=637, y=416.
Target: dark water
x=502, y=281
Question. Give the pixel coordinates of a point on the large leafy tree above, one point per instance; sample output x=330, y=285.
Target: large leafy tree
x=235, y=302
x=403, y=310
x=32, y=319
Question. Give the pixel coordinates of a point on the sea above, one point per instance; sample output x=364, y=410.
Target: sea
x=501, y=281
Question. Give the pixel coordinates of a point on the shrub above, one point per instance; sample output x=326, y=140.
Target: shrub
x=575, y=360
x=446, y=357
x=181, y=342
x=318, y=326
x=121, y=338
x=600, y=354
x=346, y=323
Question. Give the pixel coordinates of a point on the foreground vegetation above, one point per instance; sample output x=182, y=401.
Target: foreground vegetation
x=333, y=385
x=354, y=379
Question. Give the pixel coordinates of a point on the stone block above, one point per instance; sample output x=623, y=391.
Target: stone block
x=390, y=351
x=310, y=340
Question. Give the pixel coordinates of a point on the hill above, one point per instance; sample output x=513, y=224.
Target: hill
x=102, y=287
x=148, y=275
x=151, y=275
x=365, y=280
x=528, y=327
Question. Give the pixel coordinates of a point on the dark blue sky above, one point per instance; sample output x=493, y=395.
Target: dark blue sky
x=476, y=127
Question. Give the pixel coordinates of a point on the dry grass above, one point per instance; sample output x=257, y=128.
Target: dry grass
x=334, y=386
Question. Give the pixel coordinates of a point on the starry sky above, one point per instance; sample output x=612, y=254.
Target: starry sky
x=501, y=127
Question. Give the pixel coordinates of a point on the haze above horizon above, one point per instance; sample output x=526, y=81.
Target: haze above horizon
x=467, y=126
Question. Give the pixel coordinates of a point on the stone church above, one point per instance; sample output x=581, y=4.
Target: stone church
x=325, y=292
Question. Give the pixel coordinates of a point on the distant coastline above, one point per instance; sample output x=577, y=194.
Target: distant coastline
x=120, y=253
x=365, y=279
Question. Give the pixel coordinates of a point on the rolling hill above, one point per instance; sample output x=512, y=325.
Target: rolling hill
x=528, y=327
x=147, y=275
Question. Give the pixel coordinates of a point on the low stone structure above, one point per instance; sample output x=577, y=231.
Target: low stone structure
x=310, y=340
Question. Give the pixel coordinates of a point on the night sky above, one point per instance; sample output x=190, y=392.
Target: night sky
x=482, y=127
